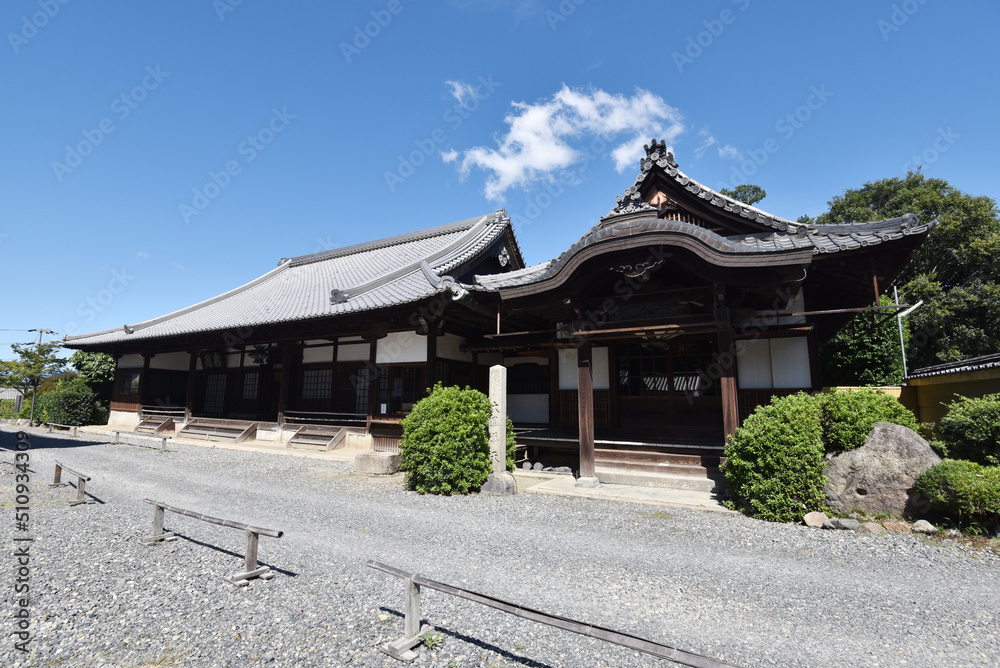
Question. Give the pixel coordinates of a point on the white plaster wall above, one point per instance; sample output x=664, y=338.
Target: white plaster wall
x=130, y=362
x=123, y=419
x=401, y=347
x=353, y=352
x=528, y=407
x=790, y=362
x=315, y=355
x=447, y=348
x=796, y=304
x=568, y=378
x=170, y=361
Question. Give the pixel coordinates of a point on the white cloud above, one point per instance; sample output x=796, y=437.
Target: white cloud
x=450, y=156
x=540, y=136
x=141, y=254
x=708, y=140
x=730, y=152
x=461, y=91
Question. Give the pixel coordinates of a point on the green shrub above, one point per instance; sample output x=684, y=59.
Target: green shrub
x=774, y=462
x=965, y=492
x=7, y=411
x=70, y=403
x=971, y=428
x=849, y=415
x=445, y=447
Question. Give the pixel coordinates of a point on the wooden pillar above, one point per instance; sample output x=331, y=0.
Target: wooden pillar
x=585, y=401
x=730, y=404
x=288, y=353
x=144, y=379
x=432, y=349
x=815, y=375
x=189, y=396
x=372, y=379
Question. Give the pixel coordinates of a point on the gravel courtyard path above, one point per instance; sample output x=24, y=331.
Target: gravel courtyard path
x=743, y=591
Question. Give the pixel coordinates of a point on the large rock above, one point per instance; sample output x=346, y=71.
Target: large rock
x=878, y=477
x=376, y=463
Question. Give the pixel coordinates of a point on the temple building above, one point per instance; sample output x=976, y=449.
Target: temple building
x=652, y=336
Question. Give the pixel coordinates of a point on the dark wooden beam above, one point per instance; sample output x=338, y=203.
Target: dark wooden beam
x=585, y=394
x=730, y=405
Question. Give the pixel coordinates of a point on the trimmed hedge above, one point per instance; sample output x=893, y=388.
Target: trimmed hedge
x=971, y=428
x=69, y=403
x=849, y=416
x=774, y=462
x=445, y=447
x=965, y=492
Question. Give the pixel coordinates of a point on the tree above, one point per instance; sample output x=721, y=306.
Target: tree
x=866, y=352
x=747, y=193
x=35, y=361
x=97, y=370
x=956, y=272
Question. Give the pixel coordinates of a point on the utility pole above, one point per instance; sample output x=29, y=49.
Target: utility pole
x=34, y=381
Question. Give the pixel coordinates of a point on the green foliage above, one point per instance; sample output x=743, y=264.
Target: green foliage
x=98, y=370
x=774, y=462
x=431, y=640
x=745, y=192
x=849, y=415
x=965, y=492
x=445, y=447
x=71, y=403
x=33, y=363
x=971, y=428
x=863, y=354
x=956, y=272
x=7, y=409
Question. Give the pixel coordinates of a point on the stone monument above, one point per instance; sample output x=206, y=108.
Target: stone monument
x=500, y=482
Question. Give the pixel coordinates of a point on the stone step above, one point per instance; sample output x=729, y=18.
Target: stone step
x=691, y=470
x=663, y=480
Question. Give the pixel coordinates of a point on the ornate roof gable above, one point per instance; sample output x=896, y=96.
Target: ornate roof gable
x=644, y=196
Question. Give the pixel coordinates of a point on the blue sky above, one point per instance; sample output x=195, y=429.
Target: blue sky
x=160, y=153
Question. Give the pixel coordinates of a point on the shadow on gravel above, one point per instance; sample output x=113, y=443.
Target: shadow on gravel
x=45, y=441
x=238, y=555
x=96, y=499
x=521, y=660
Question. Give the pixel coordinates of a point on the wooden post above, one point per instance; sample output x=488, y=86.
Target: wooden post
x=431, y=354
x=412, y=610
x=730, y=402
x=250, y=563
x=372, y=379
x=157, y=522
x=57, y=480
x=144, y=379
x=81, y=493
x=585, y=400
x=287, y=377
x=189, y=397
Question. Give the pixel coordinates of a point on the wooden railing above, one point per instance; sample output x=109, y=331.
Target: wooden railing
x=81, y=484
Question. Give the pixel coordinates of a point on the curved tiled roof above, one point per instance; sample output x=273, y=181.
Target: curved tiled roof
x=974, y=364
x=374, y=275
x=817, y=239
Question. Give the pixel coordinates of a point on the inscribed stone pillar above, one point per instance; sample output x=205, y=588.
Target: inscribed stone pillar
x=500, y=482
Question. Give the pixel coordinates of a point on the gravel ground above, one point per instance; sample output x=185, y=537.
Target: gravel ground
x=747, y=592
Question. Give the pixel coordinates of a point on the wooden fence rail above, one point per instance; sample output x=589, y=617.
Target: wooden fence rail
x=253, y=536
x=81, y=484
x=402, y=648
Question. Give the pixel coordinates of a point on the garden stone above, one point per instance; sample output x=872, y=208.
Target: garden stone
x=526, y=466
x=815, y=519
x=923, y=526
x=871, y=527
x=896, y=527
x=538, y=466
x=879, y=476
x=843, y=523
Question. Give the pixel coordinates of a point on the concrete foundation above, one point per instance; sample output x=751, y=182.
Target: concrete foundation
x=376, y=463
